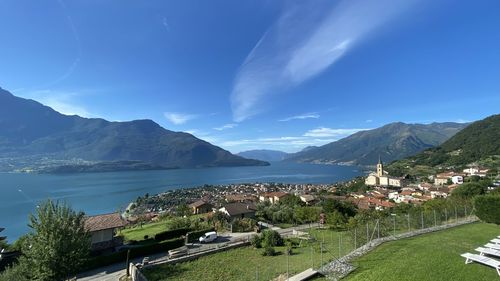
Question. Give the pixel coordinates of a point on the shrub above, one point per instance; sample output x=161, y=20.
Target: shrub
x=121, y=256
x=256, y=241
x=488, y=208
x=269, y=251
x=271, y=238
x=244, y=225
x=146, y=237
x=171, y=234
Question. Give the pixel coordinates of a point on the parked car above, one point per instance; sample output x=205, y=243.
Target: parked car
x=208, y=237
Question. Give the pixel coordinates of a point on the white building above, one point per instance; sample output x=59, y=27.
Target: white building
x=382, y=178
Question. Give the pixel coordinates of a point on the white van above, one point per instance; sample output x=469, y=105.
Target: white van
x=208, y=237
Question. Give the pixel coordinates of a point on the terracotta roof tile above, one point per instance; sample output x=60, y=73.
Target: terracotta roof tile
x=106, y=221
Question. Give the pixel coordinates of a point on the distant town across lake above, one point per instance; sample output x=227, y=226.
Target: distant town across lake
x=97, y=193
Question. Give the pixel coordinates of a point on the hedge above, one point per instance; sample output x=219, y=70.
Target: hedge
x=488, y=208
x=193, y=236
x=99, y=261
x=171, y=234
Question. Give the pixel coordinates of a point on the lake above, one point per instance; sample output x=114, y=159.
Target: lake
x=96, y=193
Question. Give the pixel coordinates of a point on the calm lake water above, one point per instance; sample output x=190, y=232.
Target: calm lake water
x=96, y=193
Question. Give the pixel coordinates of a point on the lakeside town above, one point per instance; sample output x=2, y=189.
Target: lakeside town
x=378, y=191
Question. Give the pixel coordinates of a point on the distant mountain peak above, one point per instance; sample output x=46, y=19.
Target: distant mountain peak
x=392, y=141
x=29, y=129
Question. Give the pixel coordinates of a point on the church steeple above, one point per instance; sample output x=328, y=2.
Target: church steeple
x=380, y=167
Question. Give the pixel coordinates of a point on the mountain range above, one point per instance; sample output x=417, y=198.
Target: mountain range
x=391, y=142
x=264, y=155
x=33, y=133
x=477, y=143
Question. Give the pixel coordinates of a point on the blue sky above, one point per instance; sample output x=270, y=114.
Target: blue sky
x=256, y=74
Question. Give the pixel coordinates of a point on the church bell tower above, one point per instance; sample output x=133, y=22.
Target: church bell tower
x=380, y=167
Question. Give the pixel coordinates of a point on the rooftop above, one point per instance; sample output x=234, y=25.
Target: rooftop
x=102, y=222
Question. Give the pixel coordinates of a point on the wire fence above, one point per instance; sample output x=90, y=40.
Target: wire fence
x=315, y=247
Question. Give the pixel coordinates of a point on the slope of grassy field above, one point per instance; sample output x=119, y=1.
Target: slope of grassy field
x=247, y=263
x=434, y=256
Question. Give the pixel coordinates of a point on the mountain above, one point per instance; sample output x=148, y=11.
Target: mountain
x=264, y=155
x=392, y=141
x=33, y=133
x=478, y=142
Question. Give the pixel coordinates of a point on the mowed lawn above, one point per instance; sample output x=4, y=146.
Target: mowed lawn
x=247, y=263
x=434, y=256
x=137, y=232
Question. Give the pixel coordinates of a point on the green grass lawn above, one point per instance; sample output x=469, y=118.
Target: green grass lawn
x=137, y=233
x=247, y=263
x=434, y=256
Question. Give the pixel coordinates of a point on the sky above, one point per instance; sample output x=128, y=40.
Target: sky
x=265, y=74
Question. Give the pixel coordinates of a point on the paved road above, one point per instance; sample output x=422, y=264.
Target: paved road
x=115, y=271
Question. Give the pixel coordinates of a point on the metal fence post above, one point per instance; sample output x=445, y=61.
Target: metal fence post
x=312, y=257
x=465, y=210
x=287, y=266
x=409, y=227
x=378, y=229
x=257, y=273
x=435, y=219
x=321, y=250
x=340, y=242
x=355, y=238
x=394, y=220
x=446, y=216
x=367, y=233
x=456, y=214
x=422, y=218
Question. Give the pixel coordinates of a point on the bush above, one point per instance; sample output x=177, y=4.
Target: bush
x=271, y=238
x=121, y=256
x=193, y=236
x=146, y=237
x=244, y=225
x=256, y=241
x=171, y=234
x=488, y=208
x=269, y=251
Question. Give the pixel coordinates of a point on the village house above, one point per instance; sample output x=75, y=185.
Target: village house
x=240, y=198
x=239, y=210
x=308, y=199
x=476, y=171
x=273, y=197
x=102, y=229
x=201, y=207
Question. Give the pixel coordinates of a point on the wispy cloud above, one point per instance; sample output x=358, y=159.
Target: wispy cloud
x=323, y=132
x=369, y=120
x=303, y=42
x=177, y=118
x=226, y=126
x=301, y=116
x=165, y=24
x=65, y=102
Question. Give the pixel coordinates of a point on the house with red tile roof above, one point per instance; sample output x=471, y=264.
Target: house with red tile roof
x=102, y=229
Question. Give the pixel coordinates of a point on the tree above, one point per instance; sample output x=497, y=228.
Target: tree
x=291, y=201
x=58, y=244
x=468, y=190
x=183, y=210
x=271, y=238
x=488, y=208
